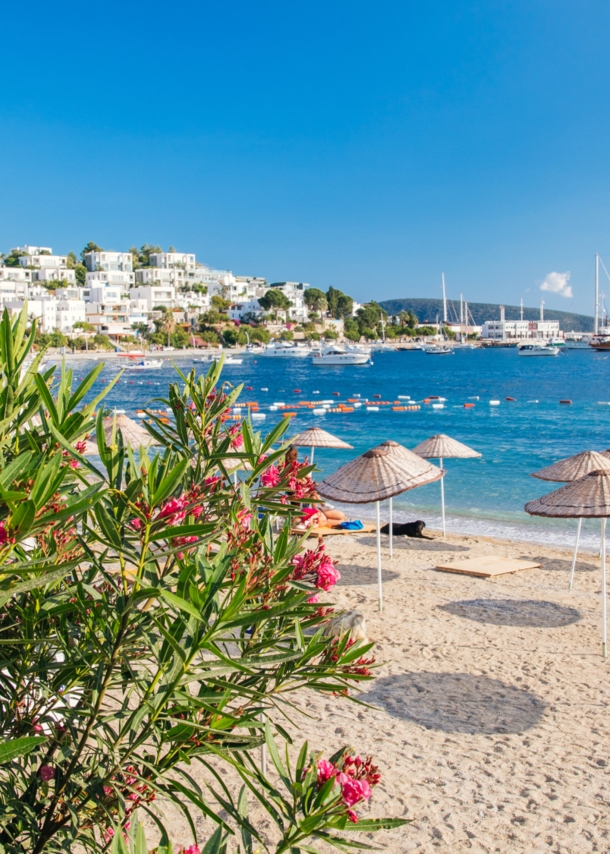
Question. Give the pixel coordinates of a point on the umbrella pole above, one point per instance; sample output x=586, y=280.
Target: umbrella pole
x=379, y=558
x=575, y=553
x=442, y=495
x=391, y=531
x=604, y=644
x=312, y=456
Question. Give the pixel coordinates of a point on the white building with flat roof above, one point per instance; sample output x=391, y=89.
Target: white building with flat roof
x=69, y=312
x=119, y=278
x=54, y=274
x=154, y=295
x=43, y=260
x=109, y=261
x=169, y=260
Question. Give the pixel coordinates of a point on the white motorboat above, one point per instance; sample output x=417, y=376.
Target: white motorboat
x=285, y=350
x=254, y=350
x=537, y=349
x=336, y=354
x=438, y=350
x=145, y=365
x=216, y=357
x=577, y=343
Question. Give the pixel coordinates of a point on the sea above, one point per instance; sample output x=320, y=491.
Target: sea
x=484, y=496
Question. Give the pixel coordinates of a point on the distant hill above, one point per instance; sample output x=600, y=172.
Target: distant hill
x=429, y=309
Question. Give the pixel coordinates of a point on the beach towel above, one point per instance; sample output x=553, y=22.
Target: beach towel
x=352, y=525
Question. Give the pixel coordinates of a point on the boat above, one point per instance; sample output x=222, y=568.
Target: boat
x=556, y=342
x=216, y=357
x=145, y=364
x=537, y=349
x=600, y=342
x=285, y=350
x=437, y=350
x=254, y=350
x=337, y=354
x=577, y=344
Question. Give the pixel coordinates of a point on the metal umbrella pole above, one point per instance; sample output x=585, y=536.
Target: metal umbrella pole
x=575, y=553
x=391, y=531
x=604, y=610
x=440, y=465
x=379, y=558
x=312, y=450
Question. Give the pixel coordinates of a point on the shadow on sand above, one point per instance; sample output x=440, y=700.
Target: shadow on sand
x=457, y=702
x=354, y=576
x=530, y=613
x=413, y=544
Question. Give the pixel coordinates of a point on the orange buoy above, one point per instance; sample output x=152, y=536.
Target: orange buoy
x=288, y=414
x=468, y=405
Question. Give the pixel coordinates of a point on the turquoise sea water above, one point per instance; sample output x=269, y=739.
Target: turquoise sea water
x=485, y=495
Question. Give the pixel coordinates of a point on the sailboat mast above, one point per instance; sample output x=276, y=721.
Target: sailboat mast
x=596, y=327
x=521, y=308
x=444, y=300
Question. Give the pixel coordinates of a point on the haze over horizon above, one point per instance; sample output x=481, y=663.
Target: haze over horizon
x=365, y=146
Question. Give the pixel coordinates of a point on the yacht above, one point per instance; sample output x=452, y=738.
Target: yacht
x=216, y=357
x=577, y=344
x=537, y=349
x=254, y=350
x=145, y=364
x=337, y=354
x=285, y=350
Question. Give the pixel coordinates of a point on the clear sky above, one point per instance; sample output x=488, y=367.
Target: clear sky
x=365, y=145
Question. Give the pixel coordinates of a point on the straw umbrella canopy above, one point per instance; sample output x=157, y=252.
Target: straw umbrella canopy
x=383, y=472
x=571, y=469
x=438, y=447
x=588, y=498
x=315, y=437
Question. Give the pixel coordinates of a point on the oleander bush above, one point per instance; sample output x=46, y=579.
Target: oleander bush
x=157, y=615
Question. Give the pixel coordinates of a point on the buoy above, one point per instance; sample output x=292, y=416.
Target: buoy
x=532, y=401
x=315, y=392
x=438, y=406
x=319, y=411
x=512, y=399
x=288, y=414
x=377, y=395
x=357, y=395
x=336, y=394
x=258, y=416
x=264, y=389
x=398, y=409
x=296, y=390
x=372, y=409
x=273, y=409
x=494, y=403
x=280, y=403
x=249, y=388
x=357, y=405
x=468, y=405
x=474, y=397
x=565, y=401
x=404, y=397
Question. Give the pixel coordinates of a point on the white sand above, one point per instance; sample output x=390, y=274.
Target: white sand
x=491, y=720
x=492, y=717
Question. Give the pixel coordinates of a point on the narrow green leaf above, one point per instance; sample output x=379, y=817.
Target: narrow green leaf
x=10, y=750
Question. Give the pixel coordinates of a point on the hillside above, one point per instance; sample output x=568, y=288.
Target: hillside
x=428, y=309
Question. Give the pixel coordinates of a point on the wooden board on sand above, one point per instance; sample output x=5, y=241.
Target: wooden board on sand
x=487, y=567
x=329, y=532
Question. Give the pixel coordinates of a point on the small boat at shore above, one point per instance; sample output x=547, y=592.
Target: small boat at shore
x=145, y=365
x=537, y=349
x=438, y=350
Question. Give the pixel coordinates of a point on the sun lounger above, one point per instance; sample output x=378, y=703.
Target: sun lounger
x=487, y=566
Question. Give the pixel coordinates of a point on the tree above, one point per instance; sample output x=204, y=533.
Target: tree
x=331, y=334
x=220, y=304
x=211, y=318
x=259, y=333
x=141, y=257
x=90, y=247
x=231, y=336
x=351, y=330
x=344, y=307
x=180, y=338
x=84, y=325
x=78, y=343
x=287, y=335
x=71, y=260
x=274, y=300
x=103, y=341
x=12, y=259
x=315, y=299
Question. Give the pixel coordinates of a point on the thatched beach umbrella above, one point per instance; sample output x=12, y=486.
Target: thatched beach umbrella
x=569, y=470
x=439, y=447
x=586, y=498
x=385, y=471
x=315, y=437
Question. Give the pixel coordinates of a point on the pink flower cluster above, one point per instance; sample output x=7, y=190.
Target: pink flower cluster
x=356, y=777
x=317, y=566
x=237, y=440
x=270, y=477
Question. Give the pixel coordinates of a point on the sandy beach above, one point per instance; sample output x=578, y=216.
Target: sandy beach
x=491, y=702
x=490, y=705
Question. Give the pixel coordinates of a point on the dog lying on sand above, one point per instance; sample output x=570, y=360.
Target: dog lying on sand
x=407, y=529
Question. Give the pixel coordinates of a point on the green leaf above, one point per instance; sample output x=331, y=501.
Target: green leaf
x=10, y=750
x=169, y=483
x=22, y=518
x=181, y=604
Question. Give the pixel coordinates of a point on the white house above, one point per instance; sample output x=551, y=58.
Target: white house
x=69, y=312
x=44, y=259
x=155, y=295
x=122, y=278
x=294, y=291
x=169, y=260
x=54, y=274
x=109, y=261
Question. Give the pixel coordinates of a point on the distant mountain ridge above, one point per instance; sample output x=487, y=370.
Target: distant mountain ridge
x=428, y=309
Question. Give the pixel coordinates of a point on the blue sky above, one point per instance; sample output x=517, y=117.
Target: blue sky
x=365, y=145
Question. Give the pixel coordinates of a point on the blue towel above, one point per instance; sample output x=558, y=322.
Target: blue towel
x=352, y=525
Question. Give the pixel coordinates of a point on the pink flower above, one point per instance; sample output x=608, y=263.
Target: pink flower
x=173, y=510
x=313, y=600
x=326, y=770
x=271, y=477
x=352, y=816
x=192, y=849
x=74, y=464
x=136, y=524
x=327, y=574
x=353, y=791
x=47, y=773
x=81, y=446
x=4, y=538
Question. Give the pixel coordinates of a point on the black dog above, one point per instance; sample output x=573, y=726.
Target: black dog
x=408, y=529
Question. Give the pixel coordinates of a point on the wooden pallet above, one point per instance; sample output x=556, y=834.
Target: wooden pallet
x=487, y=566
x=330, y=532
